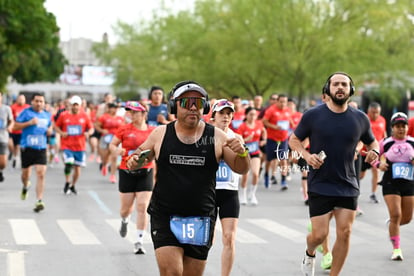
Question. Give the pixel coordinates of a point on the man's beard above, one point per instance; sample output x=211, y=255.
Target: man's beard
x=337, y=101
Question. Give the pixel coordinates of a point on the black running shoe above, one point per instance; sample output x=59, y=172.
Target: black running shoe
x=73, y=190
x=39, y=206
x=66, y=188
x=1, y=177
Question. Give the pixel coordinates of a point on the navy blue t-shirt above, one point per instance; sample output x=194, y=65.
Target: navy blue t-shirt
x=338, y=135
x=153, y=114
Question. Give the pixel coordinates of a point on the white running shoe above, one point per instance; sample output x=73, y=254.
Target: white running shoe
x=308, y=265
x=243, y=200
x=397, y=255
x=253, y=200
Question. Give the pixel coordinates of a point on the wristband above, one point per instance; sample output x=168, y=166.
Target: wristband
x=376, y=152
x=245, y=153
x=375, y=163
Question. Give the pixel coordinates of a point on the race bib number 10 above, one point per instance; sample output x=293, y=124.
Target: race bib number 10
x=191, y=230
x=224, y=173
x=402, y=170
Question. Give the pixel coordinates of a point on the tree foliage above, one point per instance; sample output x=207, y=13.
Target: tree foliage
x=29, y=41
x=250, y=47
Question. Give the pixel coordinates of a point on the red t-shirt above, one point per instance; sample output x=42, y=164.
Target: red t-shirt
x=378, y=128
x=245, y=131
x=411, y=127
x=131, y=138
x=16, y=110
x=111, y=123
x=75, y=125
x=280, y=117
x=296, y=119
x=238, y=118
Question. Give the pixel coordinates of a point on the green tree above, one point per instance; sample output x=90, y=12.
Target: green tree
x=29, y=41
x=254, y=47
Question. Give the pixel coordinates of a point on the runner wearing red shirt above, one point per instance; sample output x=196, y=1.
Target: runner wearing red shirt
x=238, y=115
x=14, y=144
x=378, y=127
x=134, y=186
x=411, y=127
x=277, y=120
x=254, y=135
x=73, y=126
x=107, y=125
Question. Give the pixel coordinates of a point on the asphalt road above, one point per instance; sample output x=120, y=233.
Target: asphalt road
x=78, y=235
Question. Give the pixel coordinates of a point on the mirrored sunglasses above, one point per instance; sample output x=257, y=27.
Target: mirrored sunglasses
x=225, y=103
x=187, y=103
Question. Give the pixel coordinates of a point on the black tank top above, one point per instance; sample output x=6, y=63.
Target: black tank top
x=186, y=176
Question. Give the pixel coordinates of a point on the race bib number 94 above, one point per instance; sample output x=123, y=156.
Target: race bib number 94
x=191, y=230
x=402, y=170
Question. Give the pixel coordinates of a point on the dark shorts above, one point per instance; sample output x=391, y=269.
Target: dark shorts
x=227, y=202
x=399, y=187
x=139, y=181
x=3, y=148
x=257, y=155
x=16, y=138
x=365, y=166
x=31, y=157
x=263, y=148
x=96, y=134
x=277, y=150
x=162, y=236
x=321, y=204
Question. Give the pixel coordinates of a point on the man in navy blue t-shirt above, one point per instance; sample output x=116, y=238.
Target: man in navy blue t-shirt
x=334, y=128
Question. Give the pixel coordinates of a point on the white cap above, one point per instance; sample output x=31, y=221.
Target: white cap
x=189, y=87
x=222, y=104
x=76, y=100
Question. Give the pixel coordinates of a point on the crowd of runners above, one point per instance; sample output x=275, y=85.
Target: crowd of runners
x=36, y=134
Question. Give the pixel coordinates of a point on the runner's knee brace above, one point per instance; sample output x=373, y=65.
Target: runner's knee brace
x=68, y=169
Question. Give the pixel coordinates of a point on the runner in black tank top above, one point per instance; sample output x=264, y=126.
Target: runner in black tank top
x=182, y=207
x=193, y=167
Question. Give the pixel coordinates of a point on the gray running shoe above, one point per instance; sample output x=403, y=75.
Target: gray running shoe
x=124, y=229
x=373, y=198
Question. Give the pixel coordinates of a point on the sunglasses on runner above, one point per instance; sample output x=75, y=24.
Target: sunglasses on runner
x=221, y=104
x=187, y=103
x=134, y=106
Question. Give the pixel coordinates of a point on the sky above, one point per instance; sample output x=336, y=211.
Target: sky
x=92, y=18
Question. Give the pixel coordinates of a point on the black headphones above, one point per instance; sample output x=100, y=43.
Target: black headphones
x=326, y=90
x=172, y=108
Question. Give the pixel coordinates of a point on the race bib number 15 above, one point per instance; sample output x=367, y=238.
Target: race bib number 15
x=191, y=230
